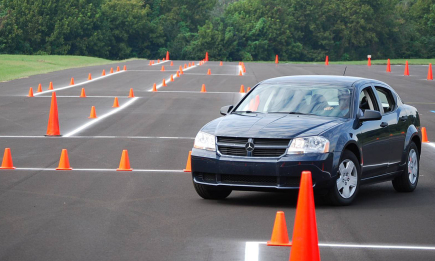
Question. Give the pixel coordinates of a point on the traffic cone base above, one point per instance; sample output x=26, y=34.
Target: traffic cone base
x=279, y=233
x=93, y=114
x=115, y=103
x=188, y=163
x=7, y=160
x=64, y=161
x=124, y=164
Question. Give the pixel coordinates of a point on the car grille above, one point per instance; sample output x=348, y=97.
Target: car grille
x=231, y=146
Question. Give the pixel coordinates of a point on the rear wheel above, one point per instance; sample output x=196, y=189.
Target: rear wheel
x=211, y=192
x=347, y=184
x=408, y=180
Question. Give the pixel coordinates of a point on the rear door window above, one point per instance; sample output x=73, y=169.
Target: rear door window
x=386, y=99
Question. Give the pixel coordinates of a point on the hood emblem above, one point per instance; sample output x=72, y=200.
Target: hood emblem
x=249, y=146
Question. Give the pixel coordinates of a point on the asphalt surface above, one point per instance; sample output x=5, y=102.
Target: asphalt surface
x=154, y=213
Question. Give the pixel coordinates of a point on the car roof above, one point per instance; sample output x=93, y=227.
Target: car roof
x=331, y=80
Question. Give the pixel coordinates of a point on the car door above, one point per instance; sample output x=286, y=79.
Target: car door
x=373, y=137
x=397, y=125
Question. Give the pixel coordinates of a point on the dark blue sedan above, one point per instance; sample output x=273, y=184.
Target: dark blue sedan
x=347, y=131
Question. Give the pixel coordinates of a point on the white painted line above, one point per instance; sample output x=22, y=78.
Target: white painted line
x=429, y=143
x=213, y=74
x=240, y=69
x=101, y=137
x=134, y=170
x=168, y=80
x=166, y=70
x=87, y=96
x=203, y=92
x=77, y=84
x=251, y=251
x=92, y=122
x=160, y=62
x=431, y=248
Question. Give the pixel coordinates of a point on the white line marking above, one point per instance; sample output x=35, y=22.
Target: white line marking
x=379, y=246
x=213, y=74
x=101, y=137
x=160, y=62
x=78, y=84
x=84, y=126
x=134, y=170
x=203, y=92
x=430, y=144
x=166, y=70
x=251, y=251
x=77, y=96
x=168, y=80
x=240, y=69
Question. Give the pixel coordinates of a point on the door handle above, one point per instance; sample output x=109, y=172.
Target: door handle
x=403, y=118
x=384, y=124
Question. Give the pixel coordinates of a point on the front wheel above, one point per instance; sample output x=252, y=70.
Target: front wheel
x=348, y=182
x=211, y=192
x=408, y=180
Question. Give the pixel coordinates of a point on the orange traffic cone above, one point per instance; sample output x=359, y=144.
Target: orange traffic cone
x=131, y=94
x=93, y=114
x=7, y=160
x=30, y=92
x=124, y=164
x=203, y=88
x=429, y=73
x=50, y=86
x=369, y=62
x=242, y=89
x=208, y=72
x=188, y=163
x=185, y=66
x=247, y=90
x=89, y=77
x=244, y=68
x=158, y=60
x=39, y=88
x=53, y=119
x=167, y=55
x=327, y=60
x=125, y=68
x=424, y=134
x=103, y=73
x=154, y=87
x=189, y=65
x=406, y=69
x=64, y=161
x=388, y=66
x=206, y=57
x=164, y=82
x=163, y=68
x=221, y=63
x=72, y=81
x=117, y=68
x=83, y=93
x=163, y=59
x=240, y=73
x=172, y=63
x=111, y=70
x=305, y=240
x=279, y=233
x=150, y=63
x=172, y=78
x=181, y=70
x=276, y=59
x=178, y=73
x=115, y=103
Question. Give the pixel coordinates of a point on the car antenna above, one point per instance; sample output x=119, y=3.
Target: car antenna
x=344, y=70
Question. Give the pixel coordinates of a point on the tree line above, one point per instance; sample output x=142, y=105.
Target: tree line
x=231, y=30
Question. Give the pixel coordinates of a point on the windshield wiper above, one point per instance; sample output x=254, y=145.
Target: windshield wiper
x=300, y=113
x=240, y=112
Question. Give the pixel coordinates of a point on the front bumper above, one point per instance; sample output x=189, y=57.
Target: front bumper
x=257, y=173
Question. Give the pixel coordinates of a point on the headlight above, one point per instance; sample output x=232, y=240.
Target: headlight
x=315, y=144
x=205, y=141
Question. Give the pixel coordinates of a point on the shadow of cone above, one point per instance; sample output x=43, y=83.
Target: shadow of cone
x=242, y=89
x=50, y=86
x=424, y=135
x=7, y=160
x=111, y=70
x=164, y=82
x=172, y=78
x=406, y=73
x=327, y=60
x=131, y=94
x=279, y=233
x=103, y=73
x=305, y=243
x=72, y=81
x=163, y=68
x=30, y=92
x=429, y=73
x=203, y=88
x=39, y=88
x=53, y=119
x=64, y=161
x=117, y=68
x=154, y=87
x=188, y=163
x=83, y=93
x=125, y=68
x=388, y=65
x=115, y=103
x=93, y=114
x=209, y=72
x=89, y=77
x=172, y=63
x=124, y=164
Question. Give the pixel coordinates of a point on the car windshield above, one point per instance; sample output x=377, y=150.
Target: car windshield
x=313, y=99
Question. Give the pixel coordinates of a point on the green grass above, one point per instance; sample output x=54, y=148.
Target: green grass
x=374, y=62
x=19, y=66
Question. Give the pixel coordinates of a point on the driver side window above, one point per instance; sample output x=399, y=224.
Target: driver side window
x=367, y=101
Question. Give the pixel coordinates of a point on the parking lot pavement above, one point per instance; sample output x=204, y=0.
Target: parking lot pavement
x=96, y=213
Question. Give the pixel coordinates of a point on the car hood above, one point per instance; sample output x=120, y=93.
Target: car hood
x=270, y=125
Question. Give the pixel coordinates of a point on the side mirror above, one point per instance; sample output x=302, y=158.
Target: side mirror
x=370, y=115
x=226, y=109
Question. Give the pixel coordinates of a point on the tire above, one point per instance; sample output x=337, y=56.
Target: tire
x=407, y=181
x=211, y=192
x=347, y=184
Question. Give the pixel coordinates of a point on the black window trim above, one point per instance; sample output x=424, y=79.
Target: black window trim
x=379, y=99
